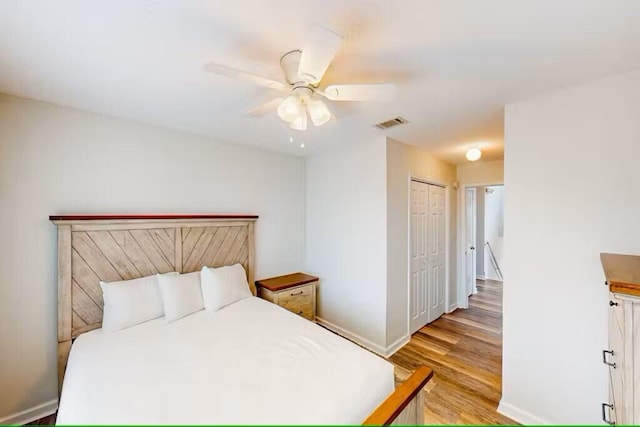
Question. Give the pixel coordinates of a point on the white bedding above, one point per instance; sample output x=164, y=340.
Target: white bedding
x=249, y=363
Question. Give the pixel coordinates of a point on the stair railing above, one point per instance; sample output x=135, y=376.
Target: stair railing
x=494, y=261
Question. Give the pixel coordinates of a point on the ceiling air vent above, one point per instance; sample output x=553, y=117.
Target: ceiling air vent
x=391, y=123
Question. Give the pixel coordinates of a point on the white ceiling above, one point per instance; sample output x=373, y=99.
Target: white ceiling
x=456, y=63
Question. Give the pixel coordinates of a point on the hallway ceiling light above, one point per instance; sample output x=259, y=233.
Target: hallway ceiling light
x=473, y=154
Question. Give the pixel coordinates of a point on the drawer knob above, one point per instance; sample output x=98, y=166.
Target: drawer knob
x=300, y=312
x=612, y=303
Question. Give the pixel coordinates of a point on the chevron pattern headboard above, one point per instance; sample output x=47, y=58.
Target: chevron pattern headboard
x=112, y=248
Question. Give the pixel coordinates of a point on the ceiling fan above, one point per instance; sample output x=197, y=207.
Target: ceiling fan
x=303, y=70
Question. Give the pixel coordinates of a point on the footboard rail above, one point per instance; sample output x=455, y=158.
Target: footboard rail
x=406, y=404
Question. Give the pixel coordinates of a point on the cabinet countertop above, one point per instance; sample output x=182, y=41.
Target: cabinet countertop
x=622, y=273
x=279, y=283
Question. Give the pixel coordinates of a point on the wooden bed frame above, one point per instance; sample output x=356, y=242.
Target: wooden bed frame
x=121, y=247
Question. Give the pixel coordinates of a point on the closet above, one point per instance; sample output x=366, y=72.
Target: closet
x=623, y=355
x=427, y=254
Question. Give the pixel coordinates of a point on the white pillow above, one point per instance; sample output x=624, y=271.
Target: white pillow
x=181, y=294
x=223, y=286
x=129, y=302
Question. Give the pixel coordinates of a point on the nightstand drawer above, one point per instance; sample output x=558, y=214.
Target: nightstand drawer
x=300, y=291
x=298, y=303
x=305, y=310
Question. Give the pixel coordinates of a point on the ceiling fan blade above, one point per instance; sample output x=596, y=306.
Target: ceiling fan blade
x=318, y=53
x=265, y=108
x=242, y=75
x=360, y=92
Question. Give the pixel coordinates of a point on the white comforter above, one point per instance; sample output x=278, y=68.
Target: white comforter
x=250, y=363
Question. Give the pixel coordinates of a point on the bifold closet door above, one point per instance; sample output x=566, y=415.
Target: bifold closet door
x=427, y=252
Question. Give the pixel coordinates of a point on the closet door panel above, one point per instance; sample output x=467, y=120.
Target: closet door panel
x=437, y=257
x=418, y=304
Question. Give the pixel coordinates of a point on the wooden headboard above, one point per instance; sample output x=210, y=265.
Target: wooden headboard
x=121, y=247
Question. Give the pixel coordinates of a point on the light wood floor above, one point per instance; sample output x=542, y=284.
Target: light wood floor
x=464, y=349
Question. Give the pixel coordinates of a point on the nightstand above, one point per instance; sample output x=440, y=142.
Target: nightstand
x=296, y=292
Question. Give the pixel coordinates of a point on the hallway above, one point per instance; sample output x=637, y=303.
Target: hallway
x=464, y=349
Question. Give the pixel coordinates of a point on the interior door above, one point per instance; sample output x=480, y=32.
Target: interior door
x=418, y=307
x=470, y=240
x=435, y=238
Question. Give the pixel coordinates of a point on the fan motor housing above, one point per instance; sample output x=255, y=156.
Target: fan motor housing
x=289, y=63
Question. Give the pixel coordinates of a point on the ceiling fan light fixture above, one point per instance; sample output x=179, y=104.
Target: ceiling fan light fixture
x=300, y=122
x=303, y=70
x=473, y=154
x=289, y=108
x=319, y=112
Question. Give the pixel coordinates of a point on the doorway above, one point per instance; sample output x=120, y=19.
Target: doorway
x=482, y=237
x=427, y=290
x=471, y=219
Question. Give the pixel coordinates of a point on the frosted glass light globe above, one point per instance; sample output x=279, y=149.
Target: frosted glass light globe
x=300, y=122
x=318, y=112
x=289, y=108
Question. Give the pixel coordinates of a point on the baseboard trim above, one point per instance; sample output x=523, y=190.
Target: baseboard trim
x=397, y=345
x=31, y=414
x=363, y=342
x=452, y=308
x=519, y=415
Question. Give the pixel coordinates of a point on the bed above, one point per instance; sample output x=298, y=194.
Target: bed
x=252, y=362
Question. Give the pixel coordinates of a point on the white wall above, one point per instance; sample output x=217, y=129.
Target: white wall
x=481, y=172
x=493, y=230
x=571, y=175
x=346, y=234
x=403, y=163
x=357, y=236
x=55, y=160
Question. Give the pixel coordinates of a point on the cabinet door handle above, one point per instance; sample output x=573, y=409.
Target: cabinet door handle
x=604, y=413
x=604, y=358
x=297, y=293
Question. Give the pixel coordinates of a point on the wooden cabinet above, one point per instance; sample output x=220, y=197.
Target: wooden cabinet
x=295, y=292
x=623, y=355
